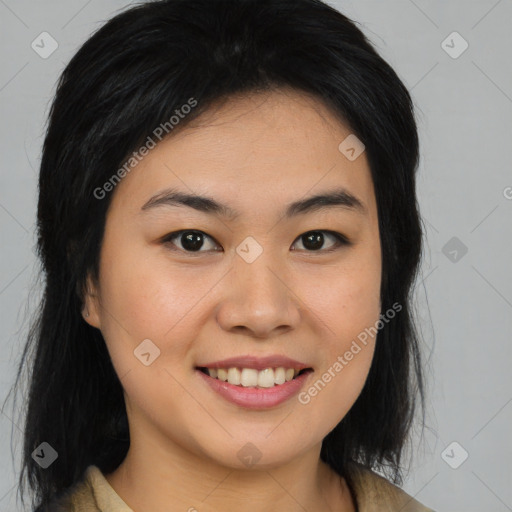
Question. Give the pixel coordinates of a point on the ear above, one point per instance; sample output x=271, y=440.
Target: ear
x=91, y=304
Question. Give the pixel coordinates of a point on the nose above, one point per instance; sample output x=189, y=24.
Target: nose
x=258, y=300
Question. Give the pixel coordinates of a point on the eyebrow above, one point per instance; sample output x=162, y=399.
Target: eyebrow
x=334, y=198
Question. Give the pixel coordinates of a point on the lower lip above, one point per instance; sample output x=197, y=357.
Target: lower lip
x=256, y=398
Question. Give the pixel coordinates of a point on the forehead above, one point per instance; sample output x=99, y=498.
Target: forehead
x=260, y=149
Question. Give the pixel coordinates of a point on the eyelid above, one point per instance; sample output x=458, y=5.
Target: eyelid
x=341, y=240
x=175, y=234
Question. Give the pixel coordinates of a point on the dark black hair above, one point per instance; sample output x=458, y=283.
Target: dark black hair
x=128, y=78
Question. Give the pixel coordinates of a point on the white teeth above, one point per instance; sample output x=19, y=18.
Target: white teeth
x=266, y=378
x=234, y=376
x=279, y=375
x=249, y=377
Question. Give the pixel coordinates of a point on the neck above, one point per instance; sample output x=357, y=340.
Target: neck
x=156, y=480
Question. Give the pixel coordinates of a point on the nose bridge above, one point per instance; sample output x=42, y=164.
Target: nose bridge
x=258, y=298
x=258, y=282
x=255, y=267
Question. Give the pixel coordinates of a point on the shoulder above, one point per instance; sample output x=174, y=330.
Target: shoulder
x=92, y=493
x=374, y=493
x=77, y=498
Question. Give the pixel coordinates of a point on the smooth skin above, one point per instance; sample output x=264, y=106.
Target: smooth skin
x=256, y=154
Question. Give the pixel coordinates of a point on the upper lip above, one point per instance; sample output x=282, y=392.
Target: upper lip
x=257, y=363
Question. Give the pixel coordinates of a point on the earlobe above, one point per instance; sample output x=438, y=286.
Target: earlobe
x=90, y=310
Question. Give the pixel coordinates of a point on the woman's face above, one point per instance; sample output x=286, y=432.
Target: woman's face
x=268, y=281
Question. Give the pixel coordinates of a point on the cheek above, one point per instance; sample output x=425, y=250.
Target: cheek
x=143, y=298
x=347, y=302
x=334, y=390
x=142, y=293
x=350, y=310
x=346, y=296
x=346, y=356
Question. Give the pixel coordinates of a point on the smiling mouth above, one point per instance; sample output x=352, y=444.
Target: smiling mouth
x=251, y=378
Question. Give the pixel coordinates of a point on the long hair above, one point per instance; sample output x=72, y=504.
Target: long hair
x=127, y=79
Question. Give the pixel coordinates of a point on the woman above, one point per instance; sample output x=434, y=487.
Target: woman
x=229, y=233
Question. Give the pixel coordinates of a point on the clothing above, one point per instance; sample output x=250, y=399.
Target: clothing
x=372, y=492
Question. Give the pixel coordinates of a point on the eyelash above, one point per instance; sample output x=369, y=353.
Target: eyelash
x=341, y=240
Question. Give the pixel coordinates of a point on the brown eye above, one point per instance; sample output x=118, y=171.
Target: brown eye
x=190, y=240
x=193, y=241
x=313, y=241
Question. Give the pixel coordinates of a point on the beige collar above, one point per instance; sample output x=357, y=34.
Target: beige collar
x=373, y=493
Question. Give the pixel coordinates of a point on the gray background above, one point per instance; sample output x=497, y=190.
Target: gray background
x=464, y=301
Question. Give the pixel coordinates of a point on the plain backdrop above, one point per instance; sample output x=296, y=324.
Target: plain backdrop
x=456, y=59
